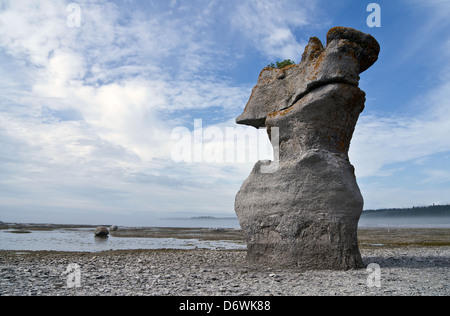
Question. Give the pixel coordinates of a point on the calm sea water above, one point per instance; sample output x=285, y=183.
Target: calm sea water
x=82, y=240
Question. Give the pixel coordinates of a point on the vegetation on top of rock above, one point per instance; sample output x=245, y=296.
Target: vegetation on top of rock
x=282, y=64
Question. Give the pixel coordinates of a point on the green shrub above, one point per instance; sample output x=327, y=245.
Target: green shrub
x=282, y=64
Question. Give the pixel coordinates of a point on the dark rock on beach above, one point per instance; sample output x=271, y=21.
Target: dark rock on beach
x=101, y=231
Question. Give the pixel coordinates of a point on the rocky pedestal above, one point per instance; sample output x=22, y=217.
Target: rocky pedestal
x=305, y=214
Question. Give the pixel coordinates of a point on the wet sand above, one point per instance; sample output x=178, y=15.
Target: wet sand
x=388, y=237
x=366, y=236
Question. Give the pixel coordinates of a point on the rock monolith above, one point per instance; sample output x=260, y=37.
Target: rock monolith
x=305, y=213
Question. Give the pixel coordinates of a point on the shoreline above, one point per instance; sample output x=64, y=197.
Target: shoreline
x=367, y=236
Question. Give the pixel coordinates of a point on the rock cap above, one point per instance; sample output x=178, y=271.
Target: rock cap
x=348, y=53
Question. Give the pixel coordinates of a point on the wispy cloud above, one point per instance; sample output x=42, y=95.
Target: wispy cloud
x=381, y=140
x=92, y=126
x=270, y=25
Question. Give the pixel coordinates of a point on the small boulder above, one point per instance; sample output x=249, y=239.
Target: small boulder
x=101, y=231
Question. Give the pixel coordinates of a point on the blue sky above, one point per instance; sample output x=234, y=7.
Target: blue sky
x=87, y=113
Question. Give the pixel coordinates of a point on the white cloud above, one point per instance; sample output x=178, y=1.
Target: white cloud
x=381, y=141
x=269, y=25
x=32, y=29
x=92, y=128
x=111, y=72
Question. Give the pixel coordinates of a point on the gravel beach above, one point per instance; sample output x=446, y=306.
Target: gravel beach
x=409, y=270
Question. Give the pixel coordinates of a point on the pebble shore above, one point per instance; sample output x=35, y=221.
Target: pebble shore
x=404, y=271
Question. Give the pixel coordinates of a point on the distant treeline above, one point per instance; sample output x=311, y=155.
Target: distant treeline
x=426, y=211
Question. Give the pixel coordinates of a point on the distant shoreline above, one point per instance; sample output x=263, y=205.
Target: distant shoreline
x=429, y=211
x=432, y=211
x=427, y=217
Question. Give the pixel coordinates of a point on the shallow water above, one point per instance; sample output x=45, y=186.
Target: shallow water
x=83, y=240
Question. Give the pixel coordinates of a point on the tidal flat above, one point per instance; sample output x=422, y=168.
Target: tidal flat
x=367, y=237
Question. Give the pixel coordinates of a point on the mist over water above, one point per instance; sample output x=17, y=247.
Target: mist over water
x=366, y=221
x=436, y=216
x=198, y=222
x=404, y=222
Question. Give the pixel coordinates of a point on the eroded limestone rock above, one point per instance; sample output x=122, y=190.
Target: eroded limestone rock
x=306, y=213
